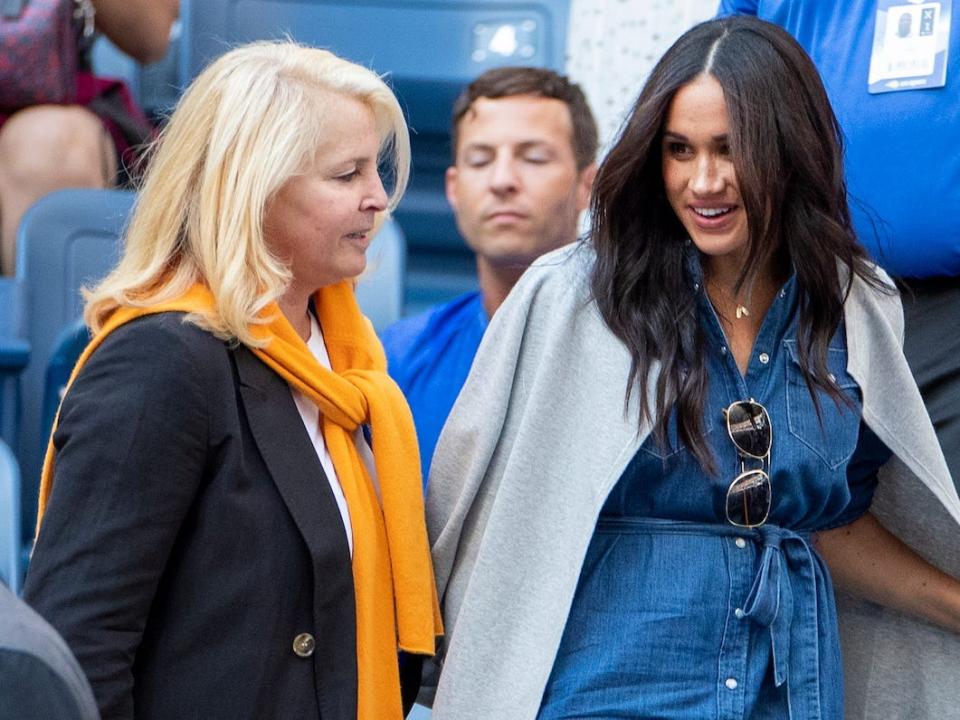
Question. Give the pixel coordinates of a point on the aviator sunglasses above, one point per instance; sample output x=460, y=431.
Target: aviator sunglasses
x=750, y=495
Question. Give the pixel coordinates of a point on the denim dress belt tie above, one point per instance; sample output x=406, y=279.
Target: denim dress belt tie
x=783, y=598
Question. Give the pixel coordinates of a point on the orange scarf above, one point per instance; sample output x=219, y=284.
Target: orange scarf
x=396, y=597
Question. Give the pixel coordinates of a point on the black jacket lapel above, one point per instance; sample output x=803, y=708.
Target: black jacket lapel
x=292, y=461
x=290, y=456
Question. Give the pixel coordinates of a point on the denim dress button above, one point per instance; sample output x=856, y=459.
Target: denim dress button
x=764, y=358
x=731, y=683
x=738, y=613
x=741, y=543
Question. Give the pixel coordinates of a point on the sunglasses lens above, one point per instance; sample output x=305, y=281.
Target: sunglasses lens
x=749, y=498
x=749, y=427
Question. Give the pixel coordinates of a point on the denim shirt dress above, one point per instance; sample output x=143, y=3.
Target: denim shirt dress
x=679, y=614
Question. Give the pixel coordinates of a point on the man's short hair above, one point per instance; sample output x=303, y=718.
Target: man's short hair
x=509, y=81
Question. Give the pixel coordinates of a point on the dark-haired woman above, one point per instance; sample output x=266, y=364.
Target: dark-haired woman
x=669, y=428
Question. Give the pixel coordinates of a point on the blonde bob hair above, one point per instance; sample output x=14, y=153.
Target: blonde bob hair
x=247, y=124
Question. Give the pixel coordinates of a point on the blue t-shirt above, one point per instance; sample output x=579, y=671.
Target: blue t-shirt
x=429, y=355
x=901, y=147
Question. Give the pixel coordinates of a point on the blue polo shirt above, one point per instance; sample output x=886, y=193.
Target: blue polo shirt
x=429, y=355
x=903, y=167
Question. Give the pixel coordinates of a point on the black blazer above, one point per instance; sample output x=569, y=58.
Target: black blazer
x=192, y=535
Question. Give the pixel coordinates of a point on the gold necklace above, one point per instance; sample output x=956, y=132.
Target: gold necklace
x=741, y=310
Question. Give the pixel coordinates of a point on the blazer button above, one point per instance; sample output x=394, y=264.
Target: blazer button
x=304, y=645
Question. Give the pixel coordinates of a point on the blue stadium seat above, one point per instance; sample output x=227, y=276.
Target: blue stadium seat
x=10, y=535
x=109, y=61
x=66, y=350
x=14, y=354
x=429, y=48
x=67, y=240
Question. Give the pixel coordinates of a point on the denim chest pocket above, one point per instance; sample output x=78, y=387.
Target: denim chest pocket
x=832, y=437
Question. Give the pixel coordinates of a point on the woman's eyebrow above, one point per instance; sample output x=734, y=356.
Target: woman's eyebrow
x=679, y=136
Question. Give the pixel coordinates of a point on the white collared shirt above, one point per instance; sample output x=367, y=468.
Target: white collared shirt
x=310, y=414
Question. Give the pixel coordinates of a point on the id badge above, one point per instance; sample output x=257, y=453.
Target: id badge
x=911, y=41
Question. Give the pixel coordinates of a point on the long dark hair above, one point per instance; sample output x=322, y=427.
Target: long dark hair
x=787, y=151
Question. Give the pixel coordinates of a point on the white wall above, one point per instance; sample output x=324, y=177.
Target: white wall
x=613, y=45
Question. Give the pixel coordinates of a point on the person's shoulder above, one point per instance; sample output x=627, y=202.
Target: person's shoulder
x=405, y=335
x=552, y=297
x=563, y=273
x=875, y=287
x=166, y=331
x=37, y=666
x=163, y=328
x=19, y=624
x=873, y=301
x=164, y=347
x=32, y=690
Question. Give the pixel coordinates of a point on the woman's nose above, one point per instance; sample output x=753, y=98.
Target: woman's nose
x=376, y=198
x=708, y=178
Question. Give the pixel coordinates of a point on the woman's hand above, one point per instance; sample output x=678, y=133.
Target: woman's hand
x=866, y=559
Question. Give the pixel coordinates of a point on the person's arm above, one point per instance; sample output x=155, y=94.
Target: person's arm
x=141, y=28
x=132, y=450
x=866, y=559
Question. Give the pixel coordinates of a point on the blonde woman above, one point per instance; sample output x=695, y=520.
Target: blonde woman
x=217, y=537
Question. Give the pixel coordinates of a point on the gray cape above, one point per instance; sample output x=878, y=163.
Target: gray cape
x=538, y=438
